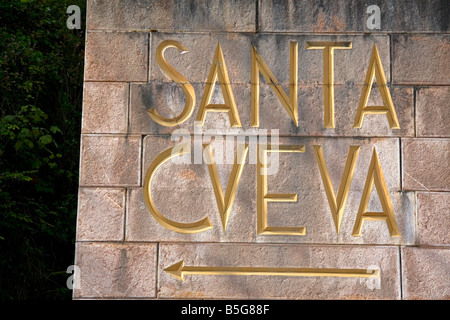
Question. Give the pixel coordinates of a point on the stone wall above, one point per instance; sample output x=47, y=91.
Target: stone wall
x=124, y=252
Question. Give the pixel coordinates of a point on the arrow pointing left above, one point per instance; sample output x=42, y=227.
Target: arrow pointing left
x=179, y=270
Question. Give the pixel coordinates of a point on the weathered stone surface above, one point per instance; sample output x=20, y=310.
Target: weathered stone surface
x=175, y=186
x=141, y=226
x=426, y=273
x=425, y=164
x=311, y=211
x=172, y=15
x=433, y=218
x=350, y=65
x=433, y=112
x=195, y=65
x=352, y=16
x=101, y=214
x=105, y=107
x=169, y=100
x=116, y=56
x=346, y=99
x=110, y=160
x=112, y=270
x=122, y=250
x=421, y=59
x=295, y=164
x=282, y=256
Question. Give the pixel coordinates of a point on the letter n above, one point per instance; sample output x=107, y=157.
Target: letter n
x=289, y=103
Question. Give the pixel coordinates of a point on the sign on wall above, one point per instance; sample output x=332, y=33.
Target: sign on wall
x=256, y=149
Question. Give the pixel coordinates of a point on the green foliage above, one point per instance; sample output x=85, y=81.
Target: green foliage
x=41, y=78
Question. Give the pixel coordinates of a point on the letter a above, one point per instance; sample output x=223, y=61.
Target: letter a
x=376, y=70
x=375, y=174
x=74, y=20
x=219, y=72
x=374, y=21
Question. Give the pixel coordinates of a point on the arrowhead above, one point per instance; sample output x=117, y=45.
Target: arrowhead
x=176, y=270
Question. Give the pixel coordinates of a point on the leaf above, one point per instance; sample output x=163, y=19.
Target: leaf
x=55, y=129
x=46, y=139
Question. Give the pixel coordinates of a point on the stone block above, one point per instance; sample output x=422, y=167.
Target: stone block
x=335, y=16
x=425, y=164
x=101, y=214
x=113, y=270
x=433, y=218
x=116, y=56
x=195, y=64
x=169, y=100
x=124, y=251
x=350, y=65
x=421, y=59
x=433, y=112
x=346, y=101
x=172, y=15
x=274, y=286
x=110, y=161
x=426, y=273
x=105, y=107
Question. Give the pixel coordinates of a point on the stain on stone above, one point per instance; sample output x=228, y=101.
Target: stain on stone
x=122, y=281
x=188, y=174
x=339, y=24
x=279, y=6
x=192, y=7
x=442, y=18
x=319, y=25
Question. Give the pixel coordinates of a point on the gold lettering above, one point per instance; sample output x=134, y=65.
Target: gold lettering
x=337, y=205
x=263, y=197
x=219, y=72
x=289, y=103
x=328, y=75
x=225, y=204
x=375, y=70
x=179, y=270
x=180, y=80
x=163, y=157
x=375, y=175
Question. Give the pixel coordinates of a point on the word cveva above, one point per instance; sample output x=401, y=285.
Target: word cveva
x=218, y=72
x=225, y=201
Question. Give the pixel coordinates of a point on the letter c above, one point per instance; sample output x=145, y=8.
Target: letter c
x=163, y=157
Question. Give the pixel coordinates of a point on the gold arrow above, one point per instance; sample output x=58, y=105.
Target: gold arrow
x=179, y=270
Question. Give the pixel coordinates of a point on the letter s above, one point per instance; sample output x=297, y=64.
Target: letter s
x=180, y=80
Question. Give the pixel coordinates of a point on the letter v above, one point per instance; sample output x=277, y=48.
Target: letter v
x=225, y=204
x=337, y=205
